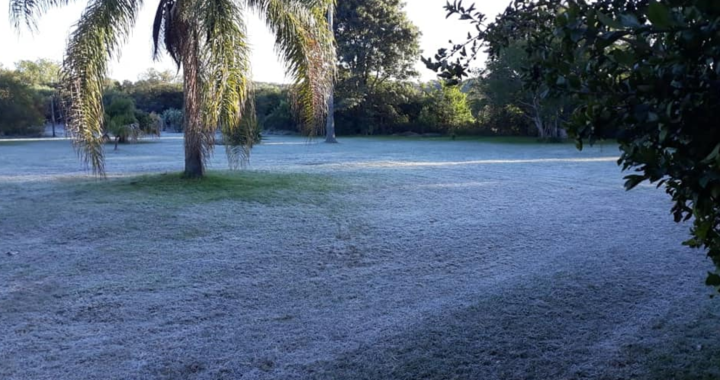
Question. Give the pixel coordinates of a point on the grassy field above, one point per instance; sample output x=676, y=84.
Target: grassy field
x=370, y=259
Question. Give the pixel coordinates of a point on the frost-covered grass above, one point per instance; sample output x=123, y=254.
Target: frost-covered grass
x=487, y=139
x=370, y=259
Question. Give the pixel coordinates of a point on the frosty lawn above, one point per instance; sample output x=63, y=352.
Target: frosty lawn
x=371, y=259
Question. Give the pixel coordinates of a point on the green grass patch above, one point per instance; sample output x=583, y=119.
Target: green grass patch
x=251, y=186
x=14, y=142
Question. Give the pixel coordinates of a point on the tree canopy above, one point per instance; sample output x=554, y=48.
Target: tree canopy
x=377, y=48
x=21, y=113
x=42, y=72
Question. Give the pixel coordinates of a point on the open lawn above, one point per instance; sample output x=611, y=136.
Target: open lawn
x=370, y=259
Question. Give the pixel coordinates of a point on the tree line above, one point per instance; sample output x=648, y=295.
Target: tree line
x=377, y=90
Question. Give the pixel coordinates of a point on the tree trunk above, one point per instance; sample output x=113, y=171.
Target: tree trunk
x=537, y=118
x=330, y=126
x=52, y=113
x=192, y=117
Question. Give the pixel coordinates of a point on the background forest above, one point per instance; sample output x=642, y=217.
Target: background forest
x=378, y=91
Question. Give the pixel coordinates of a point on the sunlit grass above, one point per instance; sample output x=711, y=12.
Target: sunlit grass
x=251, y=186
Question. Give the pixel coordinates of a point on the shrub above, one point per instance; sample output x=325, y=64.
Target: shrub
x=21, y=113
x=149, y=123
x=172, y=119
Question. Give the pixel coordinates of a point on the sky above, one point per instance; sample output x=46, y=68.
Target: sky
x=50, y=39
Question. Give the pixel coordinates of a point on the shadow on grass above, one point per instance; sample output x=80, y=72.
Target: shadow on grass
x=154, y=140
x=568, y=333
x=173, y=189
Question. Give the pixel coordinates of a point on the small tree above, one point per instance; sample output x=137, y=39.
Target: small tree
x=447, y=109
x=120, y=122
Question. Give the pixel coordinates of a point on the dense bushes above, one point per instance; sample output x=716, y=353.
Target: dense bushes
x=446, y=110
x=125, y=123
x=26, y=96
x=172, y=119
x=388, y=106
x=272, y=106
x=21, y=108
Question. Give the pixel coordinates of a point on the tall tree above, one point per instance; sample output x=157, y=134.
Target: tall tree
x=44, y=76
x=376, y=43
x=501, y=85
x=208, y=40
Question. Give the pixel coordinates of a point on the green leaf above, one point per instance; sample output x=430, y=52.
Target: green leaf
x=712, y=280
x=663, y=134
x=659, y=15
x=629, y=21
x=712, y=155
x=608, y=21
x=623, y=57
x=632, y=181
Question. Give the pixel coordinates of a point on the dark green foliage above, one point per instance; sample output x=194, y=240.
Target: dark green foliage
x=154, y=95
x=272, y=107
x=153, y=92
x=20, y=107
x=446, y=110
x=172, y=119
x=502, y=95
x=377, y=48
x=394, y=107
x=120, y=120
x=280, y=118
x=42, y=77
x=149, y=123
x=650, y=71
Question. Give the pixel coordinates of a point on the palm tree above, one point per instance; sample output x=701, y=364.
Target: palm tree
x=330, y=122
x=208, y=40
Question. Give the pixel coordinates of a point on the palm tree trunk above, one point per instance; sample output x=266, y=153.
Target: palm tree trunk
x=330, y=126
x=192, y=118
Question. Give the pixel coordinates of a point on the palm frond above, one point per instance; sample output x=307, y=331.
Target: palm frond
x=225, y=77
x=103, y=27
x=239, y=141
x=27, y=11
x=166, y=24
x=304, y=41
